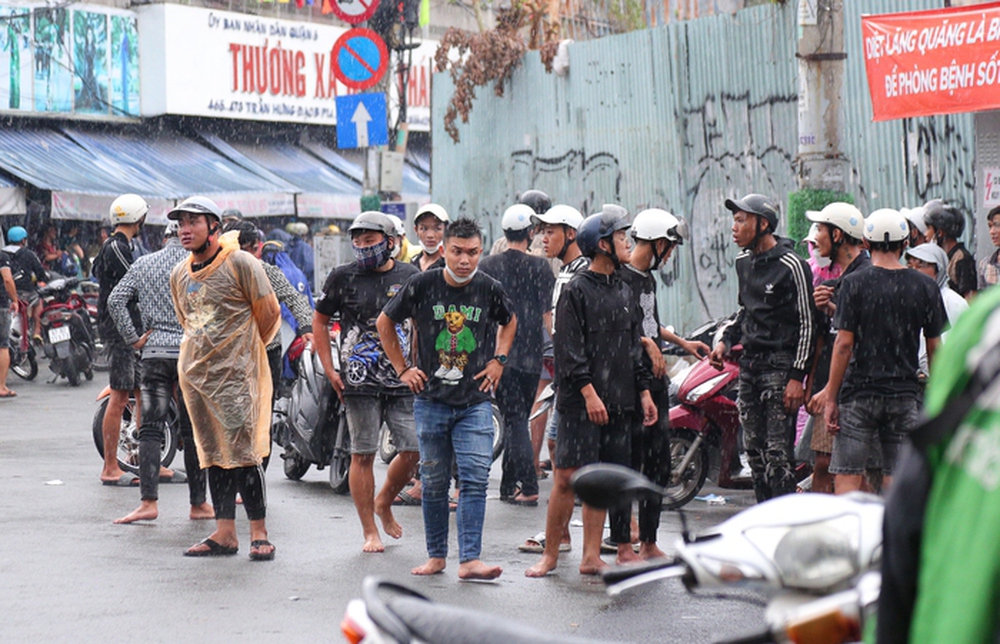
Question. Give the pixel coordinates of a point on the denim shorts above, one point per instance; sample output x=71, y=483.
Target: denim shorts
x=365, y=415
x=872, y=426
x=5, y=320
x=124, y=366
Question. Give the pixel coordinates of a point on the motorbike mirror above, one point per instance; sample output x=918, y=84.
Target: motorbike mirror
x=605, y=485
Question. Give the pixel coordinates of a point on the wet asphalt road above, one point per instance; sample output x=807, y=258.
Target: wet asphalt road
x=67, y=573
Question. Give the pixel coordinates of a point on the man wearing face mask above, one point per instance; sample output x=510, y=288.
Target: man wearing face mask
x=839, y=239
x=429, y=224
x=367, y=384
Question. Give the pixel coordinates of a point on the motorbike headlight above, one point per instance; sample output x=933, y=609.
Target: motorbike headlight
x=730, y=571
x=814, y=556
x=704, y=388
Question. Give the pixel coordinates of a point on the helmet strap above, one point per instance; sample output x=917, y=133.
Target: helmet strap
x=201, y=249
x=566, y=242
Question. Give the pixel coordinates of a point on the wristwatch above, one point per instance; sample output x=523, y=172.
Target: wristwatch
x=501, y=358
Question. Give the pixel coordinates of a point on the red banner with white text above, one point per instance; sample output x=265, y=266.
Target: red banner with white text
x=942, y=61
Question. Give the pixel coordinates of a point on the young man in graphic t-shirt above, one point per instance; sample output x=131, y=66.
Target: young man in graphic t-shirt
x=367, y=383
x=465, y=327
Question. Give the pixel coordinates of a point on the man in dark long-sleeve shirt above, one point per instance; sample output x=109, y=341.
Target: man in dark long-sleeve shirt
x=776, y=325
x=600, y=376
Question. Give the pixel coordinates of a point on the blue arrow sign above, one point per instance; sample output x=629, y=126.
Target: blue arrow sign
x=362, y=121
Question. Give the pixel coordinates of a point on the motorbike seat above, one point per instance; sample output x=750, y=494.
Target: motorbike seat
x=444, y=624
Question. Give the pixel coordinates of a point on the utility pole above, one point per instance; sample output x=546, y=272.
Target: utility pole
x=821, y=164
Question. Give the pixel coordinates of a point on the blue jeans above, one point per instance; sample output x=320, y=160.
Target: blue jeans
x=464, y=435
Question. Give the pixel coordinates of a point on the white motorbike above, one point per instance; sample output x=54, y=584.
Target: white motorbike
x=818, y=553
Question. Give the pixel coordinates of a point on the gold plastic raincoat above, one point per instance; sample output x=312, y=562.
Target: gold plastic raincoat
x=229, y=313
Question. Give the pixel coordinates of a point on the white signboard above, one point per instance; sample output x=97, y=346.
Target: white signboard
x=991, y=187
x=418, y=90
x=202, y=62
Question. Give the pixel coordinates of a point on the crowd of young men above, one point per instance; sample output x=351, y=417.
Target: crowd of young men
x=427, y=346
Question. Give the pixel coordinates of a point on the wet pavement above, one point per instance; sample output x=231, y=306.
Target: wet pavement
x=68, y=573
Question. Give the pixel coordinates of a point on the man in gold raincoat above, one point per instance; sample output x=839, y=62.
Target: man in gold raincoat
x=229, y=312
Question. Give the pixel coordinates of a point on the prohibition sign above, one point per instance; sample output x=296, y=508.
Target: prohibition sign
x=360, y=58
x=354, y=11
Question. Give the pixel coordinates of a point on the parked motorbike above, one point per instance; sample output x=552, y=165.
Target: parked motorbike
x=802, y=546
x=314, y=428
x=817, y=552
x=387, y=450
x=66, y=339
x=22, y=352
x=128, y=437
x=90, y=292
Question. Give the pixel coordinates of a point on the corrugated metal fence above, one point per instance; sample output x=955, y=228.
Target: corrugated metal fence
x=682, y=117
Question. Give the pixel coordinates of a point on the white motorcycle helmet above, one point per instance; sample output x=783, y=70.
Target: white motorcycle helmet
x=128, y=209
x=560, y=214
x=397, y=225
x=886, y=225
x=517, y=217
x=655, y=223
x=842, y=215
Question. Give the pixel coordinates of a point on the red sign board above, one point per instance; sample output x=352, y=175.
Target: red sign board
x=942, y=61
x=354, y=11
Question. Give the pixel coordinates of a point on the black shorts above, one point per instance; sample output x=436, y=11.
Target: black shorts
x=124, y=366
x=580, y=442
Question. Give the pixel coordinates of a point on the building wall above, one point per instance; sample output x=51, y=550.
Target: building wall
x=682, y=117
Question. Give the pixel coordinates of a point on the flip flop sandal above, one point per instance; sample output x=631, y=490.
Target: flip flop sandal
x=261, y=556
x=527, y=503
x=537, y=544
x=405, y=498
x=125, y=480
x=215, y=549
x=177, y=477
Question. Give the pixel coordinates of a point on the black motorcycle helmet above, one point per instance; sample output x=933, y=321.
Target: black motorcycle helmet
x=536, y=200
x=946, y=219
x=601, y=225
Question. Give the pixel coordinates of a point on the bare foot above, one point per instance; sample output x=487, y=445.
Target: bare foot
x=589, y=567
x=626, y=555
x=476, y=569
x=432, y=567
x=389, y=524
x=202, y=512
x=166, y=473
x=146, y=511
x=648, y=550
x=373, y=543
x=544, y=566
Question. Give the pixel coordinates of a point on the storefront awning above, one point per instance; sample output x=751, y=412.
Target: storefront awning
x=323, y=192
x=176, y=167
x=12, y=200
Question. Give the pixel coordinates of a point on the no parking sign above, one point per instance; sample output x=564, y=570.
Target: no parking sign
x=360, y=58
x=354, y=11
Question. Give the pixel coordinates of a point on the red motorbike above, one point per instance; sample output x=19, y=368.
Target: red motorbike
x=66, y=337
x=22, y=352
x=705, y=427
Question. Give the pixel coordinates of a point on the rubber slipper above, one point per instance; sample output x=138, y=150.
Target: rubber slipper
x=537, y=544
x=261, y=556
x=524, y=502
x=177, y=477
x=125, y=480
x=452, y=503
x=215, y=549
x=546, y=465
x=9, y=394
x=405, y=498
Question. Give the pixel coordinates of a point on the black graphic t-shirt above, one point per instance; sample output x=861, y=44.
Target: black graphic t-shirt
x=358, y=296
x=886, y=310
x=456, y=331
x=528, y=281
x=643, y=287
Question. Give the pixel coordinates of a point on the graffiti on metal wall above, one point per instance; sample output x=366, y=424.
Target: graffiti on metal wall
x=731, y=146
x=933, y=154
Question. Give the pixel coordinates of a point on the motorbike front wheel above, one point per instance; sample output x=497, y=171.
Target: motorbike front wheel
x=128, y=437
x=685, y=485
x=24, y=365
x=340, y=462
x=295, y=466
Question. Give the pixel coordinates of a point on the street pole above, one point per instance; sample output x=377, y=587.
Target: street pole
x=821, y=164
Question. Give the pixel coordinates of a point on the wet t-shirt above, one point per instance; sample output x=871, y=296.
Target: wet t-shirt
x=886, y=310
x=358, y=296
x=4, y=297
x=643, y=286
x=528, y=281
x=456, y=331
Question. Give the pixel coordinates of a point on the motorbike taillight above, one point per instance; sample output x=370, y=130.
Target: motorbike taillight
x=352, y=631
